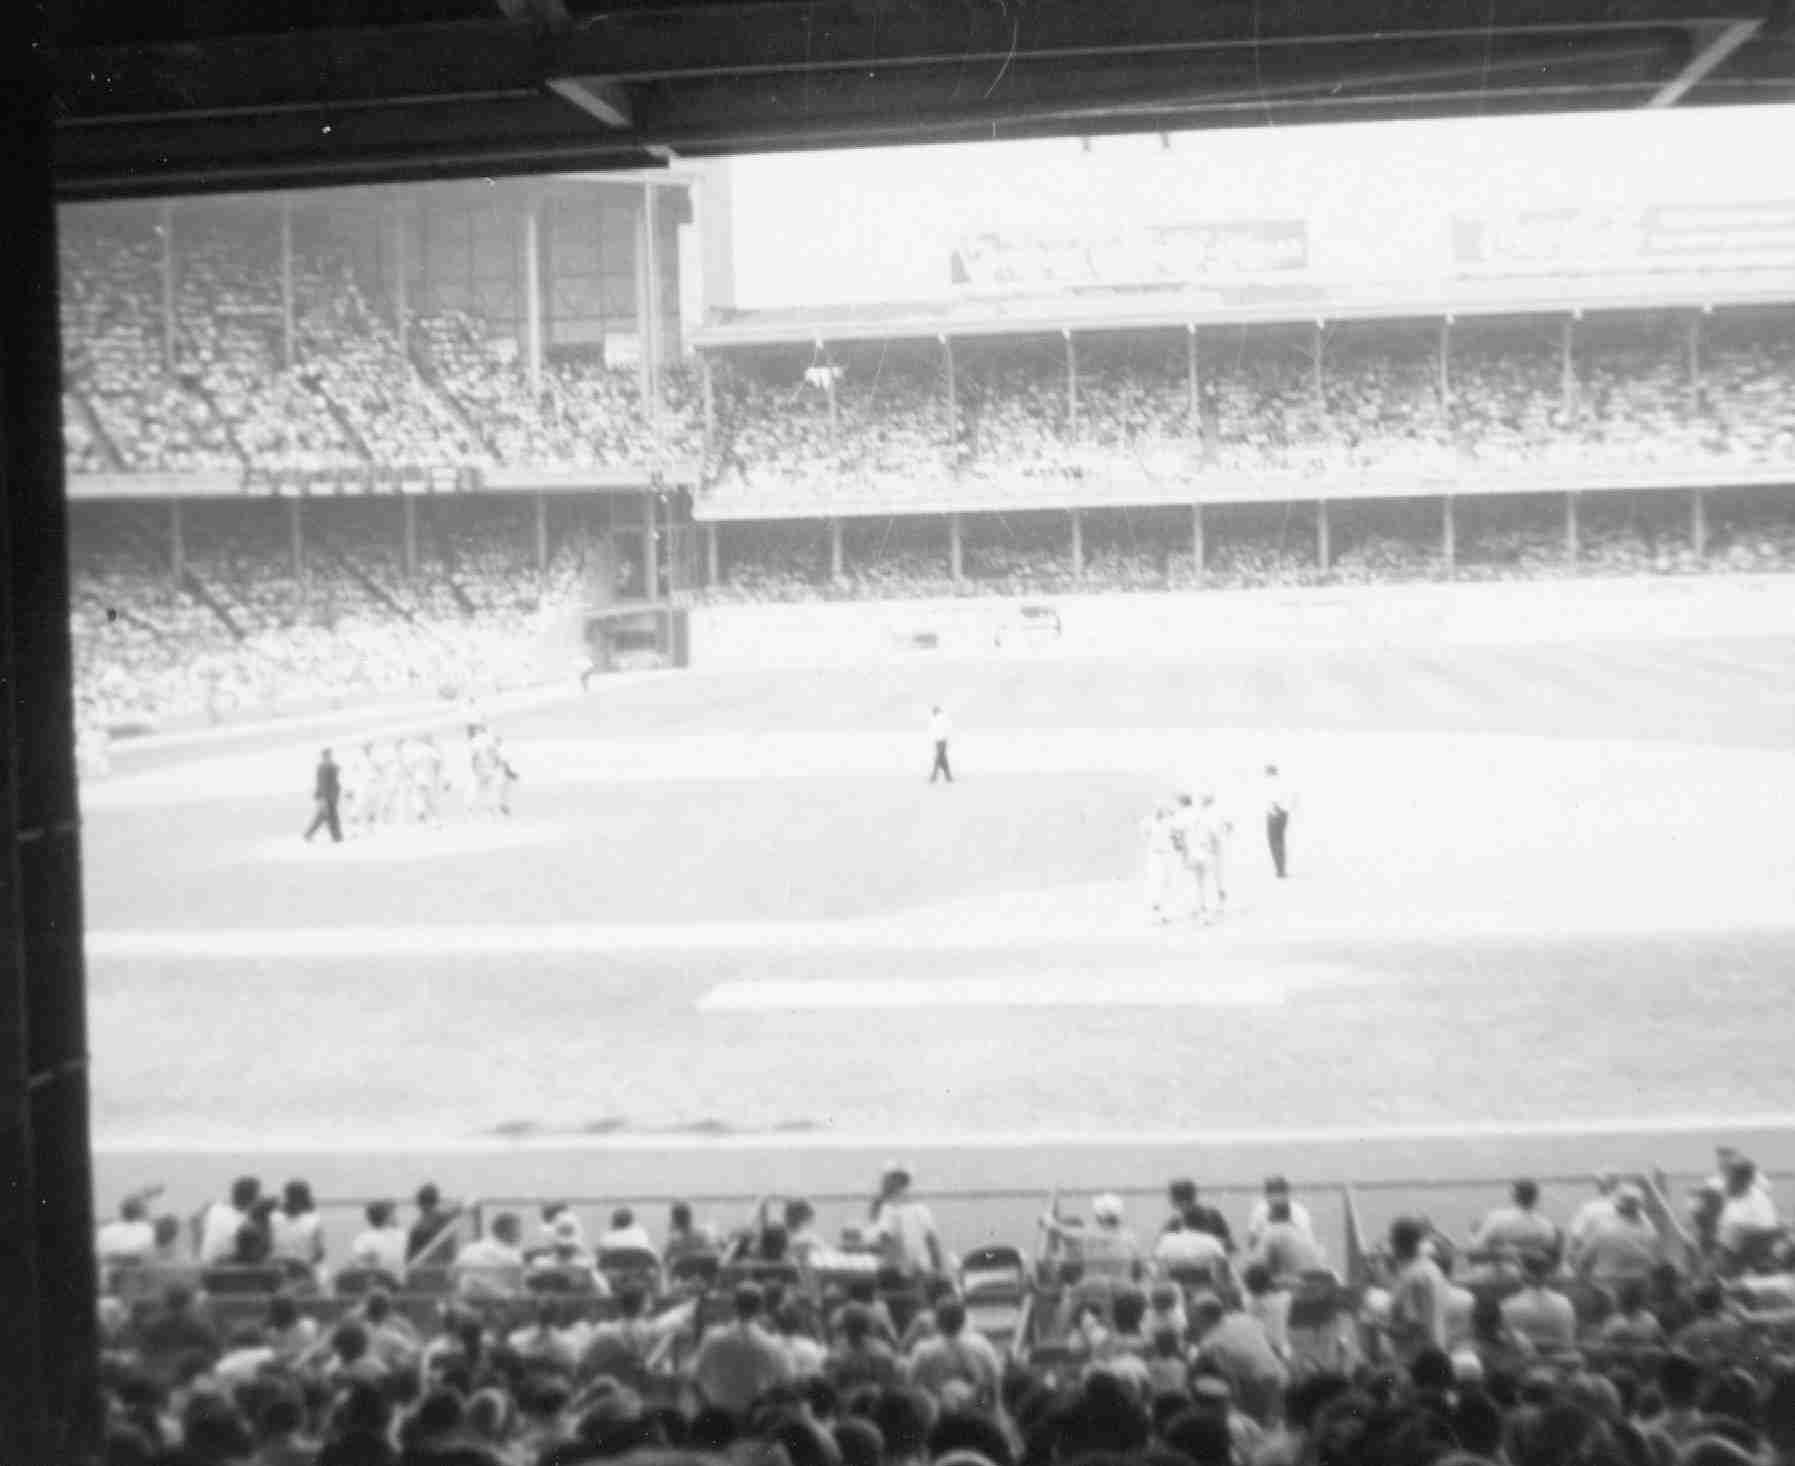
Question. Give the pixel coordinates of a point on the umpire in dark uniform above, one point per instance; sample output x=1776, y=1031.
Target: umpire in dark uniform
x=326, y=791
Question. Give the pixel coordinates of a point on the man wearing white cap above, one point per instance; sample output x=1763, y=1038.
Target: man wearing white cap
x=1108, y=1249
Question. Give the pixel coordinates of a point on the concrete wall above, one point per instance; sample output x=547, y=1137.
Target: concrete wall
x=1169, y=625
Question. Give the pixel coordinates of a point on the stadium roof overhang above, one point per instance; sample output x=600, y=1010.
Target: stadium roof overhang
x=183, y=96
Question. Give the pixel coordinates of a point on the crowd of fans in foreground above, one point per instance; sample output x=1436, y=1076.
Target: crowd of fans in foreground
x=1534, y=1343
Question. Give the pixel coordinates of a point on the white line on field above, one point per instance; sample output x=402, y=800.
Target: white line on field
x=1095, y=989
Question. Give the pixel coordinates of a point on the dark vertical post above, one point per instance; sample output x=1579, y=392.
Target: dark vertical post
x=49, y=1405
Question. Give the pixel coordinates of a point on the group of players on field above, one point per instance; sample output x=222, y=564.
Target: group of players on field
x=1187, y=845
x=407, y=780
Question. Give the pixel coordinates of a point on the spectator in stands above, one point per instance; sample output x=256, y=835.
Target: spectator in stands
x=1181, y=1249
x=566, y=1266
x=1270, y=1304
x=858, y=1356
x=955, y=1351
x=382, y=1247
x=905, y=1228
x=626, y=1233
x=544, y=1341
x=1632, y=1325
x=492, y=1267
x=1277, y=1188
x=224, y=1219
x=255, y=1238
x=1236, y=1344
x=132, y=1238
x=1747, y=1213
x=1539, y=1313
x=175, y=1329
x=280, y=1434
x=803, y=1241
x=1286, y=1249
x=1191, y=1214
x=1620, y=1244
x=1165, y=1310
x=393, y=1340
x=168, y=1264
x=807, y=1355
x=622, y=1347
x=1680, y=1381
x=287, y=1334
x=740, y=1359
x=1417, y=1317
x=1518, y=1228
x=1596, y=1210
x=296, y=1229
x=433, y=1223
x=686, y=1238
x=1107, y=1249
x=1715, y=1330
x=246, y=1354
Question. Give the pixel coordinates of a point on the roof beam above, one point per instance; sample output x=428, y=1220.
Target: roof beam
x=1722, y=41
x=604, y=101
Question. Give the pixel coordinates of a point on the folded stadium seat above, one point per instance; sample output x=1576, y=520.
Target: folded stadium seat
x=994, y=1284
x=227, y=1282
x=352, y=1282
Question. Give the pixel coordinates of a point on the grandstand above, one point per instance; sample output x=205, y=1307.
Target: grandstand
x=481, y=361
x=351, y=459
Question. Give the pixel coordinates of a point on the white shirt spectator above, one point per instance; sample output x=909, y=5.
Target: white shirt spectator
x=906, y=1226
x=940, y=729
x=300, y=1238
x=1260, y=1218
x=218, y=1233
x=1752, y=1211
x=124, y=1240
x=382, y=1248
x=1278, y=794
x=1186, y=1248
x=633, y=1237
x=488, y=1268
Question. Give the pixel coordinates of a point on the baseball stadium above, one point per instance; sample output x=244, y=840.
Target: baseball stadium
x=634, y=542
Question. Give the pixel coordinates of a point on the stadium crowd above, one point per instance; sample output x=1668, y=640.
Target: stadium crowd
x=200, y=360
x=1609, y=1337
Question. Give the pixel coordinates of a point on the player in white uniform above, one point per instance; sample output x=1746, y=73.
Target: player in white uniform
x=358, y=789
x=1162, y=862
x=1198, y=834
